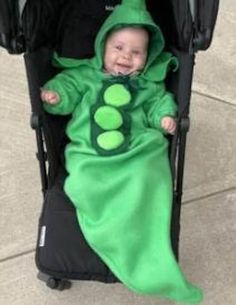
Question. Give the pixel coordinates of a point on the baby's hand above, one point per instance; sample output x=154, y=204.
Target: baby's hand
x=168, y=123
x=50, y=97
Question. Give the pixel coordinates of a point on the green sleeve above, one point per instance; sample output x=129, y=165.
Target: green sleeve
x=162, y=104
x=68, y=87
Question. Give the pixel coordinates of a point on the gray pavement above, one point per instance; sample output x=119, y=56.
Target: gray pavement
x=207, y=247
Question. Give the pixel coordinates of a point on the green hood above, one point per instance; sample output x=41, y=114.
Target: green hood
x=131, y=13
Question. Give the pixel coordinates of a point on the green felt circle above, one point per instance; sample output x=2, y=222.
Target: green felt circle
x=108, y=118
x=110, y=139
x=117, y=95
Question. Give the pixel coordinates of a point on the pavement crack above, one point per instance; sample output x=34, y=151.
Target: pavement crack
x=213, y=97
x=11, y=257
x=209, y=195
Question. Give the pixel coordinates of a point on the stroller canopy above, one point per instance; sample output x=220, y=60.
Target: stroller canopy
x=26, y=25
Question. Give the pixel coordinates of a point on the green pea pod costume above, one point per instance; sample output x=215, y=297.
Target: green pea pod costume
x=117, y=160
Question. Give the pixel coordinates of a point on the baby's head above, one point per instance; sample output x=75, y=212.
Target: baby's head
x=126, y=50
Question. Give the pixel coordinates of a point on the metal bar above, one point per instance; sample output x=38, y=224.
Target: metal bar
x=42, y=160
x=35, y=123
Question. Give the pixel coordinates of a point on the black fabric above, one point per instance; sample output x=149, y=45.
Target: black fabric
x=78, y=25
x=10, y=33
x=39, y=23
x=5, y=24
x=163, y=14
x=207, y=13
x=89, y=16
x=64, y=252
x=205, y=21
x=183, y=24
x=70, y=26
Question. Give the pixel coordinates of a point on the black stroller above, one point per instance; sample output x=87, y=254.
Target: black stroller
x=39, y=27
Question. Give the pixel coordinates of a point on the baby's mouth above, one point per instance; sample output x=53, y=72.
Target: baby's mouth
x=123, y=68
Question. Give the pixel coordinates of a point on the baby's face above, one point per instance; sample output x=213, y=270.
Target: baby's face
x=126, y=51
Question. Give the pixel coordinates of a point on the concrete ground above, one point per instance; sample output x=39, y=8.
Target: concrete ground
x=208, y=217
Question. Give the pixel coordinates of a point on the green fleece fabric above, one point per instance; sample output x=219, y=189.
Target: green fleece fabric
x=119, y=176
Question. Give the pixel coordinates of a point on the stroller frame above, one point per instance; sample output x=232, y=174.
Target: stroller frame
x=177, y=160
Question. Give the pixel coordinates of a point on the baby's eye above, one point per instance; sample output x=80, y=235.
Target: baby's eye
x=119, y=48
x=136, y=52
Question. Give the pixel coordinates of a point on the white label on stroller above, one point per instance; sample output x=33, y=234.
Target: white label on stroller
x=109, y=8
x=42, y=236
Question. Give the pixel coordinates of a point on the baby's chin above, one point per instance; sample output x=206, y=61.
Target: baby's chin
x=123, y=73
x=130, y=73
x=118, y=72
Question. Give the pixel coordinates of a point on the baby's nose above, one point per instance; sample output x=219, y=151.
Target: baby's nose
x=127, y=55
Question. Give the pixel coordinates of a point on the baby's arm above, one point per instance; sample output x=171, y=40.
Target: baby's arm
x=62, y=93
x=161, y=110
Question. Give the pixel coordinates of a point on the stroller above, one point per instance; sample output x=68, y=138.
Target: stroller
x=37, y=29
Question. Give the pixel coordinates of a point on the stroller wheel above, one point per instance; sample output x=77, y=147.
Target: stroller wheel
x=63, y=284
x=54, y=283
x=58, y=284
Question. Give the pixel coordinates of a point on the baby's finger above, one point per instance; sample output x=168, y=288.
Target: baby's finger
x=172, y=128
x=53, y=99
x=165, y=124
x=169, y=125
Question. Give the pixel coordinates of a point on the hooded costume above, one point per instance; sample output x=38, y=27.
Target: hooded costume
x=119, y=177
